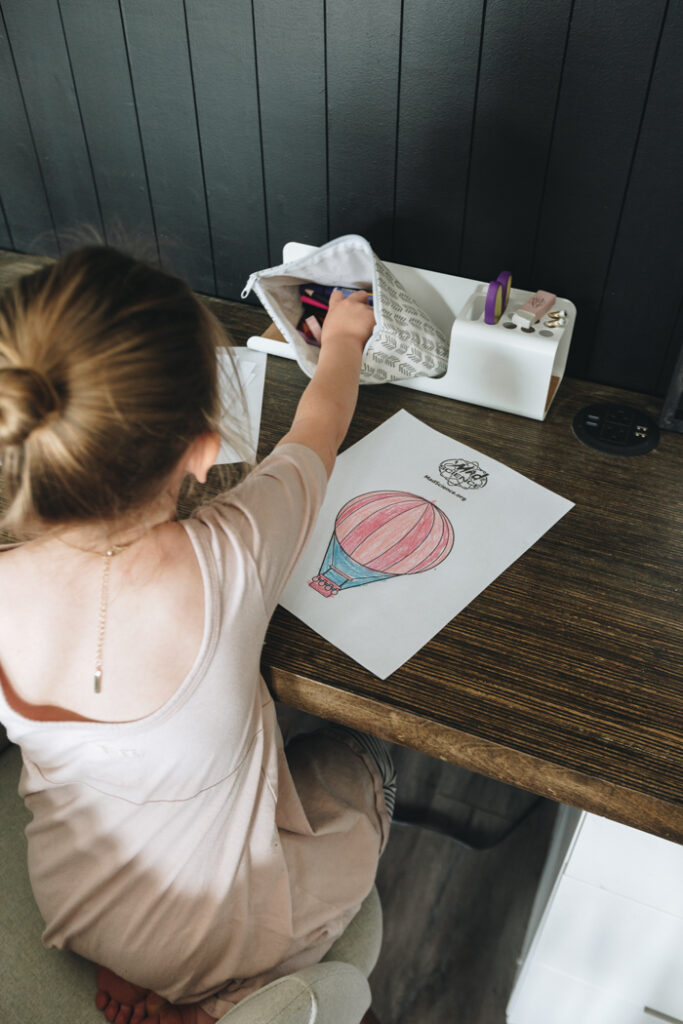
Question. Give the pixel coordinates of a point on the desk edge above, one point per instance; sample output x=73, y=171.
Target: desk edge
x=505, y=764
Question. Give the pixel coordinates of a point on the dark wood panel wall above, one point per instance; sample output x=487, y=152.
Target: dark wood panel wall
x=540, y=136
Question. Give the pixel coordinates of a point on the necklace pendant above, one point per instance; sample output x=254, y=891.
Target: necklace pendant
x=98, y=680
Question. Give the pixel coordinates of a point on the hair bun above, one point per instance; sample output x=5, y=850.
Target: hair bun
x=27, y=398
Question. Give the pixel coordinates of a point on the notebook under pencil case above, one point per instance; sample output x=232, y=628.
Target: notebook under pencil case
x=404, y=343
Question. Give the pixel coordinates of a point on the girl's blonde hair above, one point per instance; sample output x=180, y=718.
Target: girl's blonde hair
x=108, y=372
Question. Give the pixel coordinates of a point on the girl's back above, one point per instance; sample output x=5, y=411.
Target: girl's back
x=48, y=630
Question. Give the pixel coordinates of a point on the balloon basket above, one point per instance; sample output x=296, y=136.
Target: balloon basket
x=322, y=585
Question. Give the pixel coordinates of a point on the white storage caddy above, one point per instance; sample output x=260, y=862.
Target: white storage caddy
x=492, y=365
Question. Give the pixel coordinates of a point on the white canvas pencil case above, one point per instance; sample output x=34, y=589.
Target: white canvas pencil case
x=404, y=343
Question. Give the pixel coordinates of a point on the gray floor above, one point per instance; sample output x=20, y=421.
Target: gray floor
x=454, y=924
x=454, y=917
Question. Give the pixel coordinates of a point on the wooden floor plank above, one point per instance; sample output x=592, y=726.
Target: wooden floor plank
x=454, y=923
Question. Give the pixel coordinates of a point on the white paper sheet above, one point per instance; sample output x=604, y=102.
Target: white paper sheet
x=252, y=370
x=439, y=519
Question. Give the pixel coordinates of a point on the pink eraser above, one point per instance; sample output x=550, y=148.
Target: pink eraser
x=314, y=327
x=538, y=305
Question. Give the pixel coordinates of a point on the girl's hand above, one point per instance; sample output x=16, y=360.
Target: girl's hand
x=326, y=406
x=349, y=321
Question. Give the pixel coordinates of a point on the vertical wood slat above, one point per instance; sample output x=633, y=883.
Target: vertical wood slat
x=635, y=345
x=363, y=48
x=162, y=82
x=42, y=61
x=610, y=51
x=667, y=371
x=521, y=64
x=438, y=74
x=21, y=180
x=226, y=91
x=290, y=50
x=5, y=236
x=97, y=51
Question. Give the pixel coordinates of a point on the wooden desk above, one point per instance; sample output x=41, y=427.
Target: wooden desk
x=564, y=676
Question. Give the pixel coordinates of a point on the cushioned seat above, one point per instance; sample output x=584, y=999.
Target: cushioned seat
x=40, y=986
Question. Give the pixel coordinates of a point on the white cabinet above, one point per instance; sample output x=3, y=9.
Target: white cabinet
x=605, y=939
x=634, y=864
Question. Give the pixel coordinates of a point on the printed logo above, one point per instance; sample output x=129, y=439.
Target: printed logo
x=463, y=473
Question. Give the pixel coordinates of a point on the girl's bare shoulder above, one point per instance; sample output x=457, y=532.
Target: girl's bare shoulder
x=22, y=578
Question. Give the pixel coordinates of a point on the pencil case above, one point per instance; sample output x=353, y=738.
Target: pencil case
x=405, y=343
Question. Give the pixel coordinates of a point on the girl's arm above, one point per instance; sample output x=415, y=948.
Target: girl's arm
x=325, y=409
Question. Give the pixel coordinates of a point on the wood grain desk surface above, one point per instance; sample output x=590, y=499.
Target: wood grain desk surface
x=564, y=676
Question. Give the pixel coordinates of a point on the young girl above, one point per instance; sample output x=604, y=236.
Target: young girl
x=172, y=841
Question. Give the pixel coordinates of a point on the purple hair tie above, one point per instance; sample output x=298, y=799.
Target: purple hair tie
x=497, y=297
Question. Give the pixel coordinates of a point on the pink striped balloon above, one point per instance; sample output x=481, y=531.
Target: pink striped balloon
x=394, y=532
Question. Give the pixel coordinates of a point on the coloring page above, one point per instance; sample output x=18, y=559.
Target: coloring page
x=251, y=367
x=414, y=525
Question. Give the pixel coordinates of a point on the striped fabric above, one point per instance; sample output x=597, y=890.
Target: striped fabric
x=379, y=752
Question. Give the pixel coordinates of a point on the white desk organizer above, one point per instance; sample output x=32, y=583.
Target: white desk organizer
x=496, y=366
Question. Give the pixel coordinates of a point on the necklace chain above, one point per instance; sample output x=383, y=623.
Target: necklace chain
x=115, y=549
x=102, y=623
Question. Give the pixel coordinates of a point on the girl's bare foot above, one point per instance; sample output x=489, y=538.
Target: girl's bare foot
x=125, y=1003
x=168, y=1013
x=116, y=997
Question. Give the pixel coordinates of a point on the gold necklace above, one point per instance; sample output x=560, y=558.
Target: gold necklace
x=115, y=549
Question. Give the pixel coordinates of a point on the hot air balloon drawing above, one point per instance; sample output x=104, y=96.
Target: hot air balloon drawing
x=380, y=535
